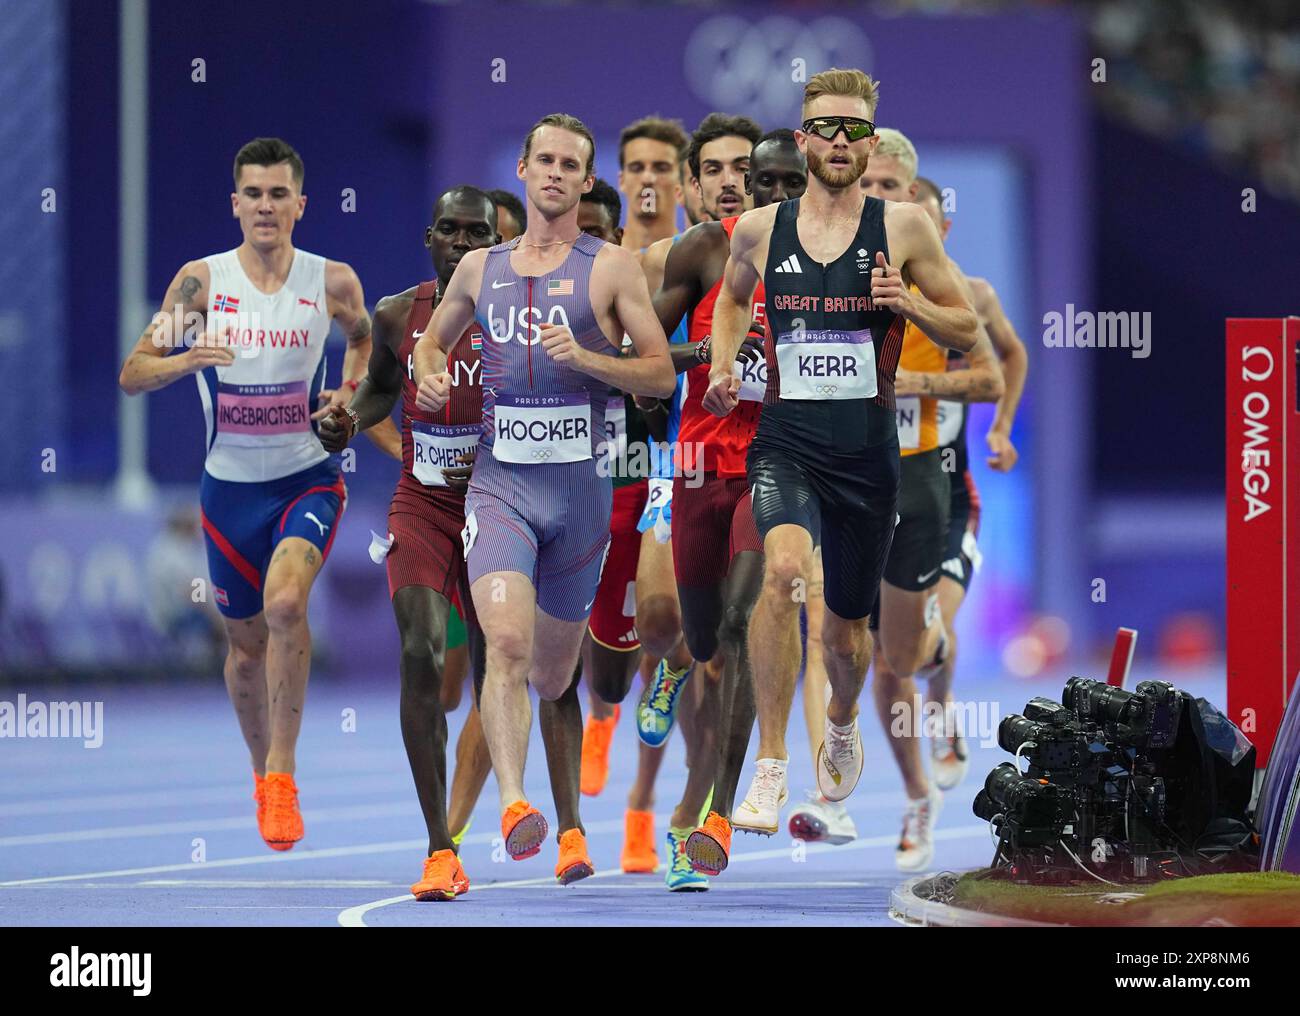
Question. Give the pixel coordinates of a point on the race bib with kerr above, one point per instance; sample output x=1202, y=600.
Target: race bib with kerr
x=827, y=364
x=534, y=429
x=438, y=446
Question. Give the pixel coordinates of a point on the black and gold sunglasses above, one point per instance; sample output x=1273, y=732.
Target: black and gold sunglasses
x=854, y=128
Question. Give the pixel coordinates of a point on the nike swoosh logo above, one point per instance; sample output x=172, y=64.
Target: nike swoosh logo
x=924, y=577
x=501, y=285
x=416, y=335
x=588, y=606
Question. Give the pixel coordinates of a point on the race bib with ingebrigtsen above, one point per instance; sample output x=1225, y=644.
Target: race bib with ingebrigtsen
x=753, y=379
x=259, y=414
x=907, y=411
x=535, y=429
x=438, y=446
x=827, y=364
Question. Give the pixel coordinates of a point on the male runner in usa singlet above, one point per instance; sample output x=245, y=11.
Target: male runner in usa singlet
x=554, y=305
x=256, y=318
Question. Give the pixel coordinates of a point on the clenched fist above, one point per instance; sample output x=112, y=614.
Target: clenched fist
x=562, y=347
x=887, y=287
x=723, y=394
x=434, y=392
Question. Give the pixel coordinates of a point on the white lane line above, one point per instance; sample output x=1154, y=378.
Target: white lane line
x=657, y=885
x=228, y=793
x=194, y=826
x=354, y=917
x=198, y=883
x=258, y=907
x=386, y=847
x=128, y=767
x=270, y=883
x=392, y=846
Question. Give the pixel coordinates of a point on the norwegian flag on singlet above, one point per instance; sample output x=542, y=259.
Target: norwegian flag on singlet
x=223, y=304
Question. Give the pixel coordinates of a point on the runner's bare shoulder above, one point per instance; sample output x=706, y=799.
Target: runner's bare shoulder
x=752, y=231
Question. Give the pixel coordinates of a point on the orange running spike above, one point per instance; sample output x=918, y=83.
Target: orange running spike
x=639, y=856
x=443, y=878
x=282, y=827
x=596, y=738
x=574, y=861
x=524, y=830
x=709, y=847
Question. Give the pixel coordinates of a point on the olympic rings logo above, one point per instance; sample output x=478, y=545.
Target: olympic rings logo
x=734, y=63
x=826, y=389
x=542, y=454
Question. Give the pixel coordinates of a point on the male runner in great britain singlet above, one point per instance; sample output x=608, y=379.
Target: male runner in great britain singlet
x=718, y=552
x=256, y=318
x=554, y=305
x=826, y=450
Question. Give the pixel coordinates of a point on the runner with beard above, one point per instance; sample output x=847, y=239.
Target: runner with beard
x=837, y=268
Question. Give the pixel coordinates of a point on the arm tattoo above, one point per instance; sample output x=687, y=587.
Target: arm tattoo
x=965, y=385
x=189, y=288
x=361, y=329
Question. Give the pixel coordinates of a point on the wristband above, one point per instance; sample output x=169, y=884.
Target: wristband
x=354, y=385
x=703, y=352
x=356, y=420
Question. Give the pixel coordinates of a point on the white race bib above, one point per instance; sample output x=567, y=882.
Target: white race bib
x=438, y=446
x=907, y=411
x=949, y=416
x=827, y=365
x=533, y=429
x=753, y=379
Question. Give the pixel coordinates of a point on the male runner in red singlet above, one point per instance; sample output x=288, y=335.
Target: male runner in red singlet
x=717, y=550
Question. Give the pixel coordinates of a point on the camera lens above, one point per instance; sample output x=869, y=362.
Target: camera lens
x=1098, y=702
x=1015, y=730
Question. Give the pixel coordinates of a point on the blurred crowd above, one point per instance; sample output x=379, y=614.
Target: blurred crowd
x=1221, y=77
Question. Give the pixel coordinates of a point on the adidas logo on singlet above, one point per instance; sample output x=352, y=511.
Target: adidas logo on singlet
x=790, y=264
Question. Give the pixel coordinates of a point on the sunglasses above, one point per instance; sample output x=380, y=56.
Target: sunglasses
x=826, y=127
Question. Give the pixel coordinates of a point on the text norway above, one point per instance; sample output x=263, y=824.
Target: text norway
x=542, y=430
